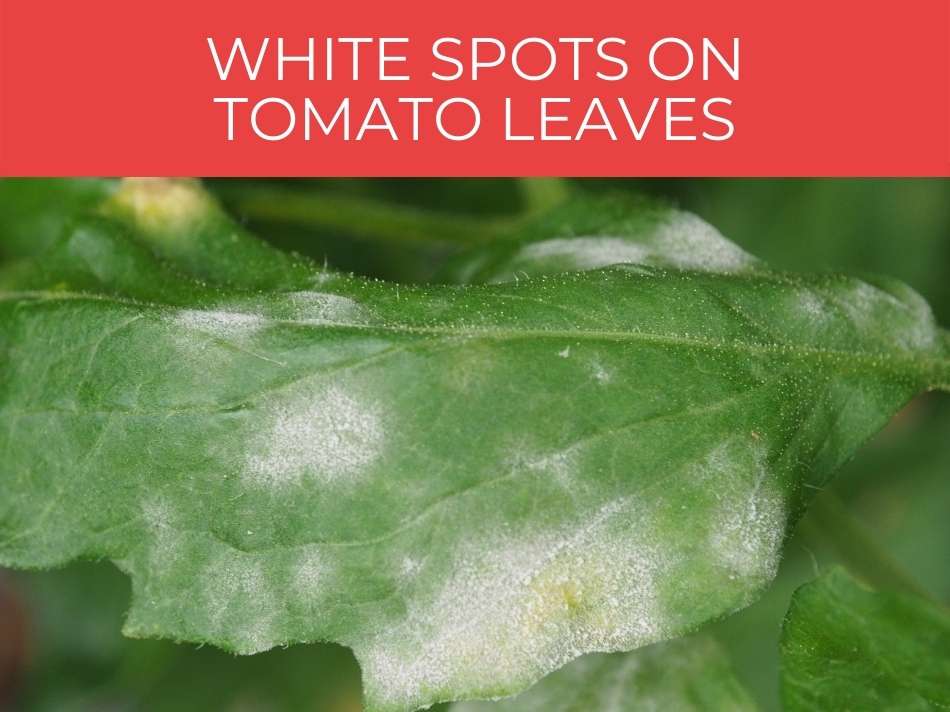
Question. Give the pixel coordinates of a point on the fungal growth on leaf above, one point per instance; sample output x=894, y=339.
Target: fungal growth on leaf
x=470, y=485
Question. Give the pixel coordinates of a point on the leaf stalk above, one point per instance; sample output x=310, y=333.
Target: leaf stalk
x=830, y=520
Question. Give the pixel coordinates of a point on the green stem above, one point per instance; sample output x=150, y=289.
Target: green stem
x=543, y=193
x=384, y=221
x=377, y=219
x=831, y=521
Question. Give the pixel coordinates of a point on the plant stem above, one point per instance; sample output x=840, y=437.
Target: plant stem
x=377, y=219
x=543, y=193
x=836, y=526
x=385, y=221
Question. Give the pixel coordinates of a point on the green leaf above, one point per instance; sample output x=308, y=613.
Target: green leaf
x=392, y=229
x=33, y=211
x=181, y=224
x=687, y=675
x=587, y=233
x=892, y=226
x=469, y=486
x=849, y=648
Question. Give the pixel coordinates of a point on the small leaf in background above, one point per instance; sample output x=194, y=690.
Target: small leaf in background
x=845, y=647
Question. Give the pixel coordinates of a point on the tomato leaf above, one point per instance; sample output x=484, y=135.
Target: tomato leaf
x=847, y=647
x=33, y=211
x=470, y=486
x=688, y=675
x=588, y=232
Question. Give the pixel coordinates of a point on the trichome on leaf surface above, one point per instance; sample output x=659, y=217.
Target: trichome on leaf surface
x=594, y=433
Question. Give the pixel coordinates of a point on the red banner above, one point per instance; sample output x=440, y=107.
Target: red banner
x=740, y=87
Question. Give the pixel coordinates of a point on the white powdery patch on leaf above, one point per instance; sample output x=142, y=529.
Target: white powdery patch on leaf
x=681, y=240
x=587, y=252
x=517, y=607
x=157, y=514
x=560, y=465
x=409, y=567
x=861, y=303
x=748, y=523
x=311, y=575
x=330, y=435
x=161, y=525
x=324, y=308
x=240, y=602
x=750, y=533
x=911, y=321
x=689, y=242
x=600, y=374
x=812, y=306
x=207, y=339
x=220, y=323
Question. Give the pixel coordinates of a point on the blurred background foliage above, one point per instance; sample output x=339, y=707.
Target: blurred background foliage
x=885, y=517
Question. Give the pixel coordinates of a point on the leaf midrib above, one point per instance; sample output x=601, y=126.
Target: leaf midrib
x=933, y=371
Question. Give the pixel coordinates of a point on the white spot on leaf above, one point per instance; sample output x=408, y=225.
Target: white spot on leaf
x=330, y=435
x=749, y=534
x=586, y=253
x=409, y=567
x=310, y=575
x=681, y=240
x=689, y=242
x=160, y=521
x=811, y=305
x=748, y=518
x=240, y=602
x=517, y=607
x=600, y=374
x=220, y=323
x=561, y=465
x=325, y=308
